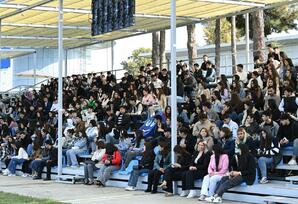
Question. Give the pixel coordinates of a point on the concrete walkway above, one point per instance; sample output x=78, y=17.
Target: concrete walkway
x=81, y=194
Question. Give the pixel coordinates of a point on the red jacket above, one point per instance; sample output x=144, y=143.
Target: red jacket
x=116, y=158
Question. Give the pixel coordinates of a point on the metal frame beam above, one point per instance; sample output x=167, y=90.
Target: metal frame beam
x=233, y=2
x=46, y=8
x=25, y=8
x=45, y=26
x=191, y=19
x=48, y=38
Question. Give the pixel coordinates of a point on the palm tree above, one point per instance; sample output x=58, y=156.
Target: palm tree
x=233, y=43
x=155, y=49
x=217, y=46
x=258, y=34
x=191, y=44
x=162, y=49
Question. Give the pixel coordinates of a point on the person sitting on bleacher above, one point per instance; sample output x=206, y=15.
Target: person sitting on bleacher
x=145, y=165
x=175, y=171
x=243, y=170
x=267, y=150
x=92, y=134
x=95, y=163
x=112, y=162
x=161, y=162
x=288, y=135
x=79, y=147
x=197, y=169
x=218, y=167
x=16, y=160
x=49, y=159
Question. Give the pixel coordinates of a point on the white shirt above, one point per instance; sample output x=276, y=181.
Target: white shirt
x=243, y=76
x=233, y=127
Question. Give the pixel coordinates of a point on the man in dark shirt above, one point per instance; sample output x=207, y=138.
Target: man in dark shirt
x=288, y=135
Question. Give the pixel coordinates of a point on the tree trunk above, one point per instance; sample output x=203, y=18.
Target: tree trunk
x=233, y=43
x=162, y=50
x=191, y=44
x=155, y=49
x=258, y=34
x=217, y=46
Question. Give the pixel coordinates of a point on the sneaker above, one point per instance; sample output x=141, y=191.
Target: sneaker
x=168, y=194
x=11, y=174
x=210, y=199
x=130, y=188
x=293, y=162
x=25, y=175
x=6, y=172
x=192, y=194
x=74, y=167
x=202, y=197
x=217, y=200
x=263, y=180
x=184, y=193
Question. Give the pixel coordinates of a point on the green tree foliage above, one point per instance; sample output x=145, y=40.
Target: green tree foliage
x=136, y=60
x=225, y=31
x=277, y=20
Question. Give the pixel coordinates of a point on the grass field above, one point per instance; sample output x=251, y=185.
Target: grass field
x=9, y=198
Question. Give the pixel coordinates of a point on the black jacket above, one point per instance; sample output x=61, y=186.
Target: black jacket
x=147, y=161
x=53, y=155
x=185, y=161
x=203, y=162
x=247, y=167
x=190, y=142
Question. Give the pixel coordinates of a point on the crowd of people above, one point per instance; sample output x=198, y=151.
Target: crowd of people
x=227, y=131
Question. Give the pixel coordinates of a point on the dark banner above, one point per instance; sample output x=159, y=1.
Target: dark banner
x=111, y=15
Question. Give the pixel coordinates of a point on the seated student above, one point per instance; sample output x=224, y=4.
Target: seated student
x=204, y=135
x=287, y=135
x=226, y=141
x=243, y=170
x=218, y=167
x=197, y=169
x=145, y=165
x=161, y=162
x=50, y=159
x=112, y=161
x=16, y=160
x=92, y=134
x=36, y=153
x=267, y=150
x=8, y=150
x=244, y=138
x=186, y=140
x=94, y=163
x=79, y=147
x=174, y=172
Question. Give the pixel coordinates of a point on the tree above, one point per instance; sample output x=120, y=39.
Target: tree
x=233, y=43
x=135, y=61
x=162, y=48
x=155, y=49
x=258, y=34
x=217, y=45
x=191, y=44
x=225, y=35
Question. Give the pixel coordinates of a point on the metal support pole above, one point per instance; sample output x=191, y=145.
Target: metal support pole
x=112, y=55
x=65, y=63
x=60, y=67
x=247, y=40
x=35, y=67
x=173, y=79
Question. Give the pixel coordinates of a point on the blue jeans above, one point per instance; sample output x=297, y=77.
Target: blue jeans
x=134, y=176
x=13, y=164
x=295, y=146
x=71, y=156
x=263, y=162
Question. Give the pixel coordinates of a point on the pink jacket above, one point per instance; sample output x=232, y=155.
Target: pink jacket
x=223, y=166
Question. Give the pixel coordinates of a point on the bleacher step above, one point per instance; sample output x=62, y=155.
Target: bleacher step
x=292, y=179
x=276, y=199
x=287, y=167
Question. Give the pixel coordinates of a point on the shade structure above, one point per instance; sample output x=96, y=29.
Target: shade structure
x=34, y=74
x=12, y=53
x=33, y=23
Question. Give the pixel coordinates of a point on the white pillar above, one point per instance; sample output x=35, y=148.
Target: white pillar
x=247, y=40
x=34, y=67
x=173, y=78
x=60, y=66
